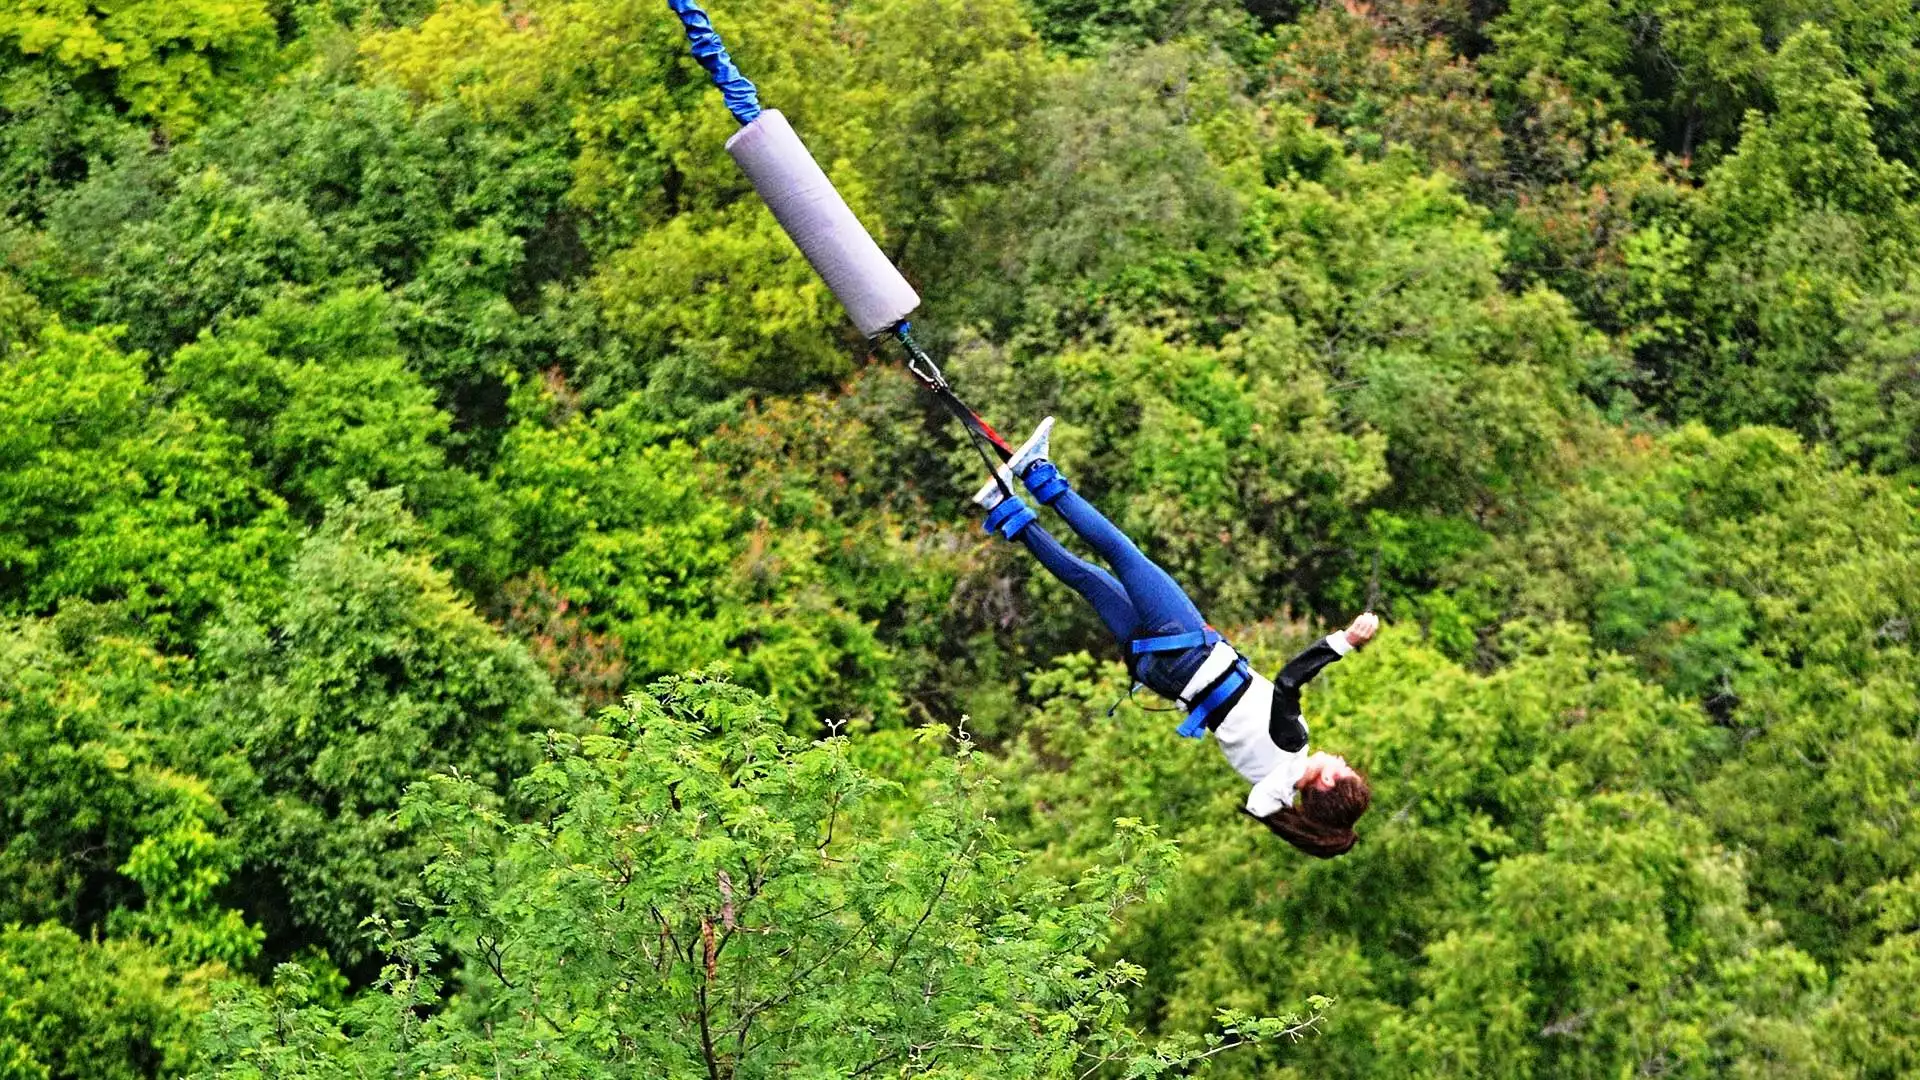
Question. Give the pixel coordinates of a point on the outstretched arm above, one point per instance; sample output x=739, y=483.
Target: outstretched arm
x=1288, y=730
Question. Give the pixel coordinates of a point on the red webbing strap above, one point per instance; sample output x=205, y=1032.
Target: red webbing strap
x=979, y=432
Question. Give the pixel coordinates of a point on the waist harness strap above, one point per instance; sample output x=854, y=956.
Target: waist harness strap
x=1174, y=642
x=1009, y=518
x=1210, y=699
x=1237, y=676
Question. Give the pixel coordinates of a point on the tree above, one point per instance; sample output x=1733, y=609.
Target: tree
x=1094, y=26
x=52, y=134
x=1873, y=398
x=74, y=1009
x=1791, y=231
x=1869, y=1023
x=167, y=61
x=461, y=216
x=1123, y=215
x=1772, y=586
x=1235, y=469
x=321, y=396
x=1536, y=890
x=701, y=895
x=217, y=249
x=107, y=494
x=365, y=674
x=635, y=526
x=103, y=832
x=1357, y=73
x=1681, y=73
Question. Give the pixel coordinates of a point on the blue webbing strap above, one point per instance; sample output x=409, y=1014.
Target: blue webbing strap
x=1237, y=677
x=1046, y=483
x=1172, y=642
x=743, y=101
x=1009, y=518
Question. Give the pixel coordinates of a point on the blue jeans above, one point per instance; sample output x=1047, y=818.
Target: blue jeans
x=1137, y=600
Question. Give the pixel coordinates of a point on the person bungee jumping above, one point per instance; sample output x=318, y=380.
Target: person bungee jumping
x=1310, y=800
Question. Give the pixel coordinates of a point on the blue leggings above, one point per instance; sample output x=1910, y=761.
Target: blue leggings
x=1143, y=601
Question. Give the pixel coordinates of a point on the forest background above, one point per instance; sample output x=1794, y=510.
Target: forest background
x=391, y=387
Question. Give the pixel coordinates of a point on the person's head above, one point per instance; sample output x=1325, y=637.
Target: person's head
x=1329, y=798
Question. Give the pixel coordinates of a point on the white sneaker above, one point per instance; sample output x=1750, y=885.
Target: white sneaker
x=1030, y=451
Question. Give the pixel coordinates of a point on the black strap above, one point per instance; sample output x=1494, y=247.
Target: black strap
x=980, y=433
x=1133, y=689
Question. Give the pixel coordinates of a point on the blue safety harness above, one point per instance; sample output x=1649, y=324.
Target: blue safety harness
x=1012, y=516
x=1212, y=696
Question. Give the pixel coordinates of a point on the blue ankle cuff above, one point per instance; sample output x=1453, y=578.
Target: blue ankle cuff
x=1045, y=483
x=1010, y=517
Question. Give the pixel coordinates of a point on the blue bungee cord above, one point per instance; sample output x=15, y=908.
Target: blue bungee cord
x=743, y=100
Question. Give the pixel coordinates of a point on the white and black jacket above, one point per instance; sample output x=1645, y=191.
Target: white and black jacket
x=1262, y=733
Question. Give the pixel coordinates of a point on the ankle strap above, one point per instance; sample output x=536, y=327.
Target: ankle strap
x=1010, y=517
x=1045, y=483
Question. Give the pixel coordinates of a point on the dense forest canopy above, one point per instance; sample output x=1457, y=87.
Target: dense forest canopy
x=471, y=605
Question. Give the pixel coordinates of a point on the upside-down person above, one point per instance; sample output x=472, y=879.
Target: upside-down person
x=1309, y=799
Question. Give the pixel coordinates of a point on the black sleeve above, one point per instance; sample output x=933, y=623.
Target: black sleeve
x=1286, y=728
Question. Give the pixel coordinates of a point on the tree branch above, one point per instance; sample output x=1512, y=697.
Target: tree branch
x=706, y=1033
x=932, y=902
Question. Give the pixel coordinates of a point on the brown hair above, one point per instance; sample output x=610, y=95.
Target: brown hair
x=1320, y=821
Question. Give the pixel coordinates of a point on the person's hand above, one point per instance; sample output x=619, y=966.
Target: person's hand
x=1363, y=629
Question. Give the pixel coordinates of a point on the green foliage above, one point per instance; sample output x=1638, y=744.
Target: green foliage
x=636, y=530
x=462, y=221
x=835, y=528
x=106, y=494
x=73, y=1008
x=366, y=673
x=21, y=319
x=322, y=396
x=1571, y=189
x=168, y=61
x=1744, y=570
x=1873, y=400
x=51, y=134
x=675, y=294
x=1532, y=895
x=1089, y=26
x=1870, y=1020
x=1684, y=74
x=318, y=188
x=945, y=122
x=1256, y=404
x=332, y=329
x=1792, y=231
x=217, y=249
x=704, y=896
x=1681, y=73
x=1358, y=348
x=592, y=667
x=1122, y=180
x=102, y=833
x=1357, y=77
